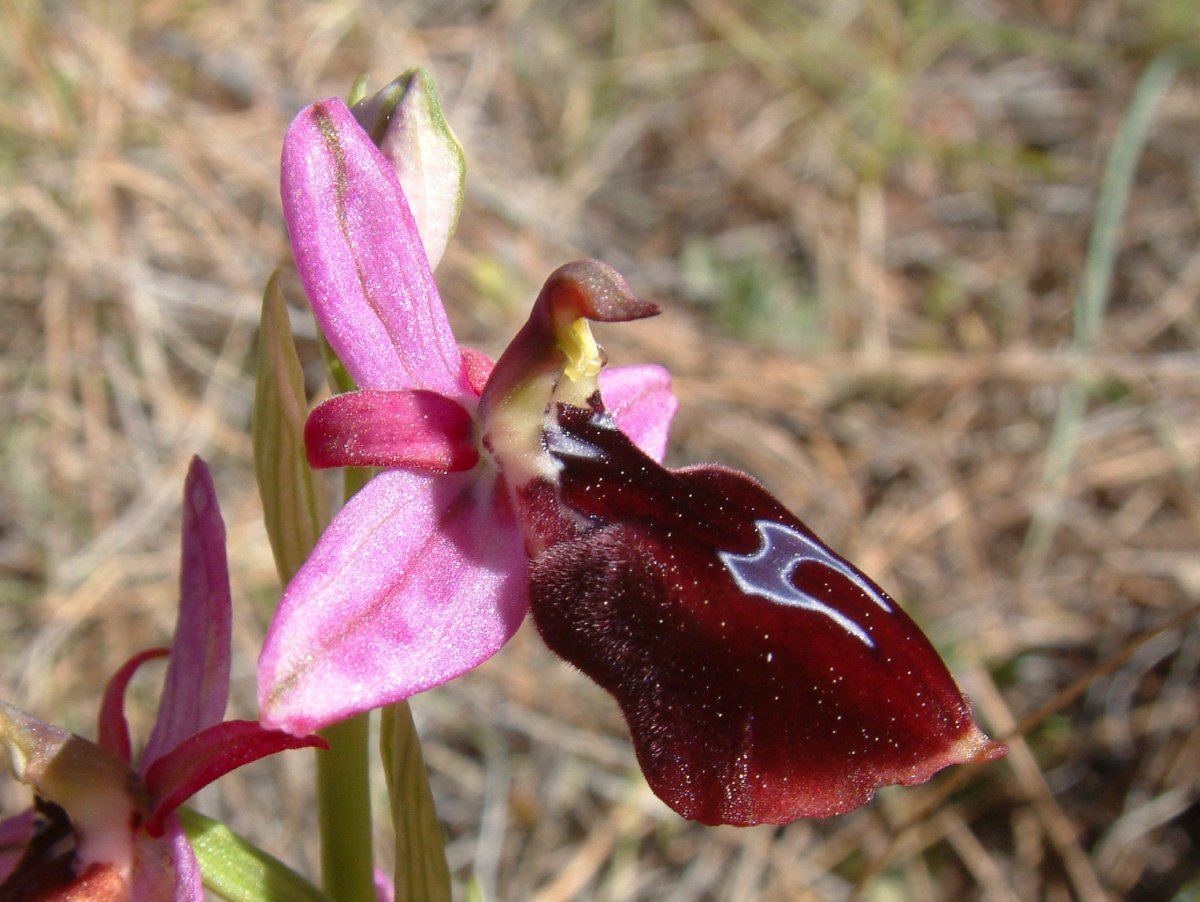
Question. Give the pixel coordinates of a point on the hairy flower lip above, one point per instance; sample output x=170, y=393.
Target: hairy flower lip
x=763, y=677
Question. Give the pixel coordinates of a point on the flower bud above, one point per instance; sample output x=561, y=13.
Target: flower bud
x=406, y=123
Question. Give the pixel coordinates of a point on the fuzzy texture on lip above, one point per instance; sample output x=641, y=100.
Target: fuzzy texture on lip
x=764, y=678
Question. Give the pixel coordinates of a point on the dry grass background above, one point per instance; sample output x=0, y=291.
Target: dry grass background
x=867, y=221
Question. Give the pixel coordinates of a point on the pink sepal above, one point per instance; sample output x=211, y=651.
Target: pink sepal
x=360, y=257
x=417, y=430
x=418, y=579
x=189, y=885
x=165, y=867
x=197, y=683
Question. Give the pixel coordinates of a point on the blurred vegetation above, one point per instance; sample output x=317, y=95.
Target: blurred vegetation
x=868, y=222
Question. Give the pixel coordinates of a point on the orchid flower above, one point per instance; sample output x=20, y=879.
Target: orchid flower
x=763, y=677
x=103, y=826
x=422, y=575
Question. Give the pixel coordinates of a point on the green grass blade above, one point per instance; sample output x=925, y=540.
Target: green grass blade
x=1100, y=263
x=1115, y=186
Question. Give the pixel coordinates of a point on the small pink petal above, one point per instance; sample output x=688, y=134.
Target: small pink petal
x=478, y=367
x=210, y=754
x=417, y=430
x=165, y=867
x=15, y=833
x=385, y=887
x=418, y=579
x=641, y=401
x=113, y=731
x=360, y=257
x=197, y=683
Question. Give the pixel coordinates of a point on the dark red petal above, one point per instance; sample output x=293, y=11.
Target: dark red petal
x=112, y=734
x=413, y=429
x=209, y=755
x=763, y=677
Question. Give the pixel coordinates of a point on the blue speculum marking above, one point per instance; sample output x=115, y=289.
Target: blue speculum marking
x=768, y=573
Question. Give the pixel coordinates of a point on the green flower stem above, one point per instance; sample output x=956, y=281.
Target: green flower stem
x=344, y=812
x=344, y=790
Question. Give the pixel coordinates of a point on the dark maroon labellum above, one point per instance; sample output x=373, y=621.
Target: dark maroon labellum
x=764, y=678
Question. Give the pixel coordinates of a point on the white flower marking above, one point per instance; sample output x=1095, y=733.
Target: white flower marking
x=768, y=573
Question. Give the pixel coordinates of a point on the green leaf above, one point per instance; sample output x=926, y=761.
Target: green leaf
x=406, y=122
x=421, y=871
x=236, y=869
x=358, y=90
x=294, y=510
x=340, y=379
